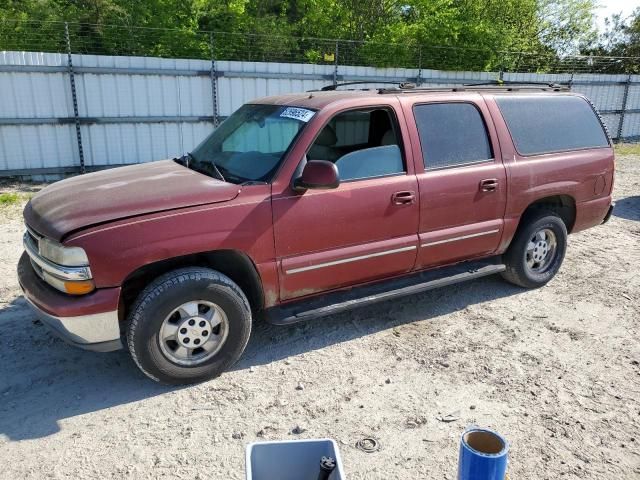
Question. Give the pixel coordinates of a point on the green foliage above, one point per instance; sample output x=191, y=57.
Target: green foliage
x=621, y=38
x=443, y=34
x=9, y=198
x=627, y=149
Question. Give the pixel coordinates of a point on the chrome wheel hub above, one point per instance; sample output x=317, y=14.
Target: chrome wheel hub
x=194, y=332
x=541, y=250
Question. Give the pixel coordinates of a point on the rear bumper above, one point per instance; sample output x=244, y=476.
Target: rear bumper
x=591, y=213
x=608, y=215
x=87, y=321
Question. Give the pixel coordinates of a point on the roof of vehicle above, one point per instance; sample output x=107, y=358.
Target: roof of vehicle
x=318, y=99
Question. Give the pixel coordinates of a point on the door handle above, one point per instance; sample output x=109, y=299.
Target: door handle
x=403, y=198
x=489, y=185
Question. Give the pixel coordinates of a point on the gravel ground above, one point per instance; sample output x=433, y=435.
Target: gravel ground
x=556, y=370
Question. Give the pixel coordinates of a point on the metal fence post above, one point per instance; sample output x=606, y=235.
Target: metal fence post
x=214, y=84
x=625, y=97
x=419, y=77
x=74, y=97
x=335, y=66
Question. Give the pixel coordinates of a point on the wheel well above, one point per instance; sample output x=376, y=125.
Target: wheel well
x=235, y=265
x=562, y=205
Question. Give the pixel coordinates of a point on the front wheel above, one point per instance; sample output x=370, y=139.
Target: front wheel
x=188, y=326
x=537, y=251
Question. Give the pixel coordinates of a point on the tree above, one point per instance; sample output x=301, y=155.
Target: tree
x=444, y=34
x=564, y=25
x=621, y=38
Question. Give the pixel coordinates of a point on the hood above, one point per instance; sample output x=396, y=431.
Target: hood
x=109, y=195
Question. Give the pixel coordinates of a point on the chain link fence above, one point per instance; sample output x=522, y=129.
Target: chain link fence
x=123, y=40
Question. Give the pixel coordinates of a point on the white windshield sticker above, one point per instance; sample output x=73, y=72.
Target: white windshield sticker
x=296, y=113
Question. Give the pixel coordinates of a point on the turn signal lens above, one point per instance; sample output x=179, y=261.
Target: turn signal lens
x=79, y=288
x=75, y=287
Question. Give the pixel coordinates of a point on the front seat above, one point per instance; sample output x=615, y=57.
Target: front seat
x=389, y=138
x=323, y=148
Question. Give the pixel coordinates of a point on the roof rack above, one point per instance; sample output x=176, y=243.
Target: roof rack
x=334, y=86
x=499, y=82
x=492, y=85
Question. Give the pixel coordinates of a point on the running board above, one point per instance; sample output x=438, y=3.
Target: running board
x=398, y=287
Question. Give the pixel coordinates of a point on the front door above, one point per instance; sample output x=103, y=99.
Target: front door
x=462, y=183
x=363, y=230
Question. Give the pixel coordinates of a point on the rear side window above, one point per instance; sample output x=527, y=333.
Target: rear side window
x=451, y=134
x=546, y=124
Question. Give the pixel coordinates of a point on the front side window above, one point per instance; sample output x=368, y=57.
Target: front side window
x=251, y=143
x=451, y=134
x=551, y=123
x=362, y=143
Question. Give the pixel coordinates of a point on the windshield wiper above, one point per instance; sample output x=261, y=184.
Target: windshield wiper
x=215, y=167
x=238, y=180
x=252, y=182
x=207, y=168
x=191, y=162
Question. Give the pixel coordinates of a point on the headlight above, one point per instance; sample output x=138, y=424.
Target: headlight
x=64, y=268
x=58, y=253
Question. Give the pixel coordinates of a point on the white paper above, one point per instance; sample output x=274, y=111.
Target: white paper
x=297, y=113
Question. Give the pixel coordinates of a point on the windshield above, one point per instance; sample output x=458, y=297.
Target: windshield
x=251, y=143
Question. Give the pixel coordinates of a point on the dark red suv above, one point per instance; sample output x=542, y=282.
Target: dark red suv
x=303, y=205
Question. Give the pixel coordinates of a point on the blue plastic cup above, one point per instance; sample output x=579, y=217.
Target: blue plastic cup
x=483, y=455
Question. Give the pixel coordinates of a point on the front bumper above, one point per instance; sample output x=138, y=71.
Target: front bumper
x=89, y=321
x=90, y=332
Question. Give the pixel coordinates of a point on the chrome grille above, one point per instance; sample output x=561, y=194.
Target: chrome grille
x=37, y=269
x=35, y=238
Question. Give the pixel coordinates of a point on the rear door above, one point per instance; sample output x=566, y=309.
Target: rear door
x=461, y=178
x=366, y=229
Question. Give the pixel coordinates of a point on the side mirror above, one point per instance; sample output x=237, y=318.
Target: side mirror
x=319, y=175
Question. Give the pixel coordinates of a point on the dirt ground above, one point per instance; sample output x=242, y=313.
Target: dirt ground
x=556, y=370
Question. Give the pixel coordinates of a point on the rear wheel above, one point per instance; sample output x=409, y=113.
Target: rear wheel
x=188, y=325
x=537, y=251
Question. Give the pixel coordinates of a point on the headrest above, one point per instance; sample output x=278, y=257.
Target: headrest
x=327, y=137
x=389, y=138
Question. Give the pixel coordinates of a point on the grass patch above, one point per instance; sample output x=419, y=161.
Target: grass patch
x=9, y=198
x=627, y=149
x=13, y=198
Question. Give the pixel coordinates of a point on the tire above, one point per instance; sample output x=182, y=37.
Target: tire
x=160, y=320
x=533, y=269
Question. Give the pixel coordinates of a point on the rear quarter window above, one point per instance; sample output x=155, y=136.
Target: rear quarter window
x=547, y=124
